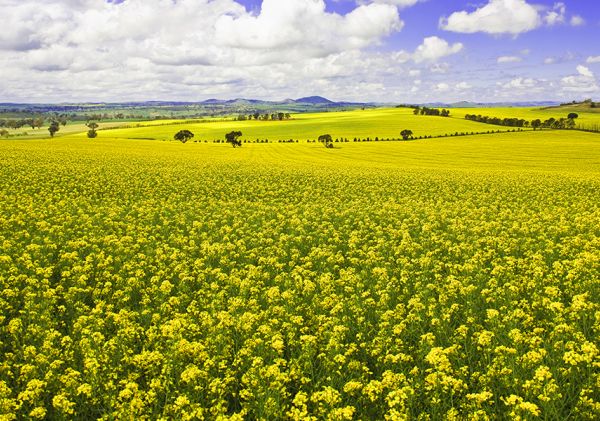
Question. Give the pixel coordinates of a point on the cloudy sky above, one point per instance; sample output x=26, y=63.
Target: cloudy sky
x=359, y=50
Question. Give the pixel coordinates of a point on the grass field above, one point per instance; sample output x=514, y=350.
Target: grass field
x=453, y=278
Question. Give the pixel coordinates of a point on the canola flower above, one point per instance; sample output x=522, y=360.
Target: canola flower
x=147, y=281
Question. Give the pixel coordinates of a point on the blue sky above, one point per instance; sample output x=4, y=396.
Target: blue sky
x=359, y=50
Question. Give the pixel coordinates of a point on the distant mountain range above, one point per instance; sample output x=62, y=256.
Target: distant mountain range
x=469, y=104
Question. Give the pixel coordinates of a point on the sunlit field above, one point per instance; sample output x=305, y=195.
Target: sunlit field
x=440, y=278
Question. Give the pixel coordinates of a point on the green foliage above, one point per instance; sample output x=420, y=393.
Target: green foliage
x=232, y=137
x=326, y=140
x=406, y=134
x=53, y=128
x=183, y=136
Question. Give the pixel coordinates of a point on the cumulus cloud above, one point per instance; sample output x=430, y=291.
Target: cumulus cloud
x=593, y=59
x=584, y=71
x=165, y=48
x=556, y=15
x=583, y=82
x=509, y=59
x=434, y=48
x=577, y=20
x=496, y=17
x=508, y=17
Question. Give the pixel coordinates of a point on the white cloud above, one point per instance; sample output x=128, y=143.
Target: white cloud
x=583, y=82
x=556, y=15
x=463, y=86
x=434, y=48
x=521, y=83
x=550, y=60
x=509, y=59
x=584, y=71
x=593, y=59
x=496, y=17
x=188, y=49
x=440, y=68
x=577, y=20
x=442, y=87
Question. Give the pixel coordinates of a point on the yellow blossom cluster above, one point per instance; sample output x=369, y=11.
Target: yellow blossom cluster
x=147, y=281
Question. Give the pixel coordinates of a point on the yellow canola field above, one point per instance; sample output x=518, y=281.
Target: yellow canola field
x=446, y=278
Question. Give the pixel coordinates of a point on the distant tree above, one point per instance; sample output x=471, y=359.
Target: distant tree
x=183, y=135
x=63, y=121
x=280, y=116
x=326, y=140
x=406, y=134
x=256, y=115
x=38, y=122
x=4, y=133
x=232, y=137
x=92, y=130
x=53, y=128
x=417, y=111
x=287, y=116
x=536, y=124
x=573, y=116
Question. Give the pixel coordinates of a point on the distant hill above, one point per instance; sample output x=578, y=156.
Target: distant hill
x=470, y=104
x=314, y=100
x=584, y=106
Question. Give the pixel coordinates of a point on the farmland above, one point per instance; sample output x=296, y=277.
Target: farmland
x=439, y=278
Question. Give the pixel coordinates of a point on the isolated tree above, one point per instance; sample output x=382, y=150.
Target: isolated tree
x=326, y=140
x=232, y=137
x=183, y=135
x=53, y=128
x=573, y=116
x=406, y=134
x=92, y=130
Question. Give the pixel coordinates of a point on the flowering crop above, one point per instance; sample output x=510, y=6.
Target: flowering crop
x=154, y=280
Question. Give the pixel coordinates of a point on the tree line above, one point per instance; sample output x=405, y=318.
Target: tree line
x=551, y=123
x=264, y=117
x=431, y=111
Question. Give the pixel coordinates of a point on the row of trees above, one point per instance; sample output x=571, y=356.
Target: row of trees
x=551, y=123
x=431, y=111
x=33, y=122
x=232, y=137
x=264, y=117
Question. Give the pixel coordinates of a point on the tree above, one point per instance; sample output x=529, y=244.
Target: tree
x=573, y=116
x=232, y=137
x=53, y=128
x=38, y=122
x=326, y=140
x=183, y=135
x=4, y=133
x=536, y=124
x=406, y=134
x=92, y=131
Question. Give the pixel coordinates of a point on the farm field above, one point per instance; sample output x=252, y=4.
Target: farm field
x=450, y=278
x=382, y=123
